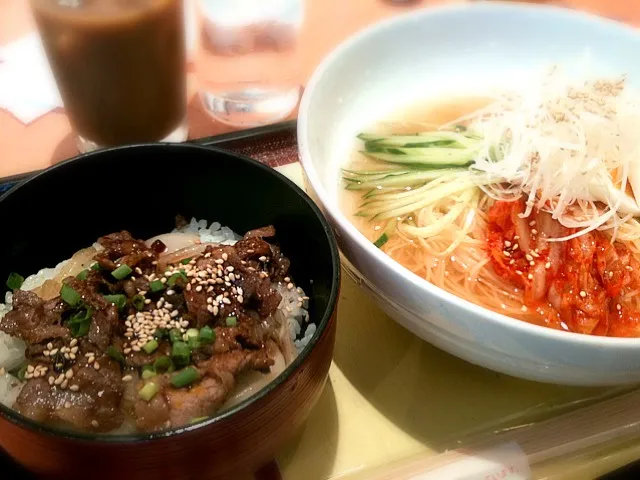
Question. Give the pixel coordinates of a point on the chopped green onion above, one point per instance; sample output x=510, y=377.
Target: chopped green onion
x=192, y=338
x=181, y=354
x=82, y=275
x=186, y=261
x=160, y=333
x=185, y=377
x=138, y=302
x=69, y=295
x=118, y=300
x=79, y=323
x=151, y=346
x=193, y=332
x=207, y=334
x=162, y=364
x=148, y=371
x=21, y=373
x=116, y=354
x=15, y=281
x=156, y=286
x=96, y=266
x=177, y=276
x=382, y=239
x=148, y=391
x=175, y=335
x=231, y=321
x=122, y=272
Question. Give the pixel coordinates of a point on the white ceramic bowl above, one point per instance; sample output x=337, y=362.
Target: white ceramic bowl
x=434, y=52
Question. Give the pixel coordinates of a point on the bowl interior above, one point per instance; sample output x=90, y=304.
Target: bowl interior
x=142, y=188
x=445, y=52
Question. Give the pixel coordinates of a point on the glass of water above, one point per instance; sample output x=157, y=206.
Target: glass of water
x=247, y=64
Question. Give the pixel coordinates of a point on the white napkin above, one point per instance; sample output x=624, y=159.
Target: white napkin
x=27, y=87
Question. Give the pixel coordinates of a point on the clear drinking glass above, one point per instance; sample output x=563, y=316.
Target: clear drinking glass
x=247, y=64
x=120, y=67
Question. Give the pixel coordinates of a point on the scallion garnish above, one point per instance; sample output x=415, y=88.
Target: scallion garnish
x=82, y=275
x=185, y=377
x=186, y=261
x=192, y=338
x=175, y=335
x=122, y=272
x=177, y=276
x=96, y=266
x=116, y=354
x=21, y=373
x=119, y=300
x=207, y=334
x=162, y=364
x=160, y=333
x=151, y=346
x=231, y=321
x=382, y=239
x=148, y=371
x=156, y=286
x=180, y=354
x=15, y=281
x=69, y=295
x=79, y=323
x=148, y=391
x=138, y=302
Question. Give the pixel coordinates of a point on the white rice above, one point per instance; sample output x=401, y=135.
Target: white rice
x=12, y=349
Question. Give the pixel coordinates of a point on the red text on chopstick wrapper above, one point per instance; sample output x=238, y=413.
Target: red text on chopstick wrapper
x=503, y=462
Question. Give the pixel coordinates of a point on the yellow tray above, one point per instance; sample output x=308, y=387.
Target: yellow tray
x=391, y=395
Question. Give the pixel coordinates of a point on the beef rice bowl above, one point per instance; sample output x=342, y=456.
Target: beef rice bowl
x=131, y=335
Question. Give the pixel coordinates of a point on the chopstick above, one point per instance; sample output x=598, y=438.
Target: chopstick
x=592, y=426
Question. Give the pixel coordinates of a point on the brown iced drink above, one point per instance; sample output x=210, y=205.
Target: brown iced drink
x=119, y=64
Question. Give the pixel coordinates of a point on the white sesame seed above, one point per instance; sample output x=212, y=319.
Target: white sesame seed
x=199, y=288
x=288, y=279
x=532, y=263
x=505, y=253
x=51, y=380
x=263, y=258
x=163, y=280
x=73, y=342
x=49, y=345
x=53, y=352
x=127, y=350
x=127, y=378
x=225, y=256
x=619, y=307
x=210, y=308
x=170, y=292
x=95, y=423
x=30, y=368
x=534, y=231
x=528, y=257
x=547, y=265
x=59, y=380
x=583, y=294
x=219, y=262
x=74, y=388
x=216, y=310
x=240, y=299
x=74, y=350
x=226, y=301
x=532, y=223
x=69, y=373
x=530, y=276
x=96, y=366
x=232, y=277
x=518, y=272
x=523, y=308
x=516, y=247
x=290, y=286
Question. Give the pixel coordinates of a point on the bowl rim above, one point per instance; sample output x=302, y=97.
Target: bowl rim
x=322, y=322
x=442, y=13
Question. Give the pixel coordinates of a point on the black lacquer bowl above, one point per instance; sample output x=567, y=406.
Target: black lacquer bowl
x=141, y=189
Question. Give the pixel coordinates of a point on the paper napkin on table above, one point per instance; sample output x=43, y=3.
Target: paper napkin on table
x=27, y=87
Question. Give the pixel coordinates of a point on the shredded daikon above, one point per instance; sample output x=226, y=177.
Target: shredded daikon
x=569, y=147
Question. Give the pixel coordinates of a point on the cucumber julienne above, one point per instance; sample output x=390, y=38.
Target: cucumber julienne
x=415, y=171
